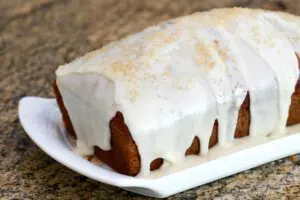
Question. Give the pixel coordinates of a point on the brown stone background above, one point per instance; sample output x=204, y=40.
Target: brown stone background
x=36, y=36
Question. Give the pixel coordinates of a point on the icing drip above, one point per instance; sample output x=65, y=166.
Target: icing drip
x=225, y=78
x=276, y=52
x=262, y=88
x=172, y=81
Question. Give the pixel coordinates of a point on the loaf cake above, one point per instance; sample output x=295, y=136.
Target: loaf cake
x=182, y=87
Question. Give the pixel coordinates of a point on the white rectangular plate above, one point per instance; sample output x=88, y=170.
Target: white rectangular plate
x=41, y=120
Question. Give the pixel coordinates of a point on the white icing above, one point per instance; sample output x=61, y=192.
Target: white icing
x=172, y=81
x=279, y=55
x=263, y=91
x=225, y=79
x=90, y=120
x=219, y=151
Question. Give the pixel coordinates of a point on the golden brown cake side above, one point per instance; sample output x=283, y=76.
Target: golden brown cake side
x=294, y=112
x=123, y=157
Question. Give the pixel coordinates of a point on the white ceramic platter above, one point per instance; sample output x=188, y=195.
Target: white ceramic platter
x=41, y=120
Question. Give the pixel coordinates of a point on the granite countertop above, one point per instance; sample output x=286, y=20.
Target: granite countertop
x=37, y=36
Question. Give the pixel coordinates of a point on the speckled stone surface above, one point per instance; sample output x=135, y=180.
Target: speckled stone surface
x=37, y=36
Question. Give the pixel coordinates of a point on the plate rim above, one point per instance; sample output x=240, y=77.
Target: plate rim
x=155, y=186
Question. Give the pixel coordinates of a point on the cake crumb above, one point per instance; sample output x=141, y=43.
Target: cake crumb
x=293, y=158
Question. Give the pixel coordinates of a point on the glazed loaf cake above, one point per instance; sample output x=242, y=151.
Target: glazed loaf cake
x=182, y=87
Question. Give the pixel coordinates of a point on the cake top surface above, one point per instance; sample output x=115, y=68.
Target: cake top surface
x=145, y=46
x=141, y=56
